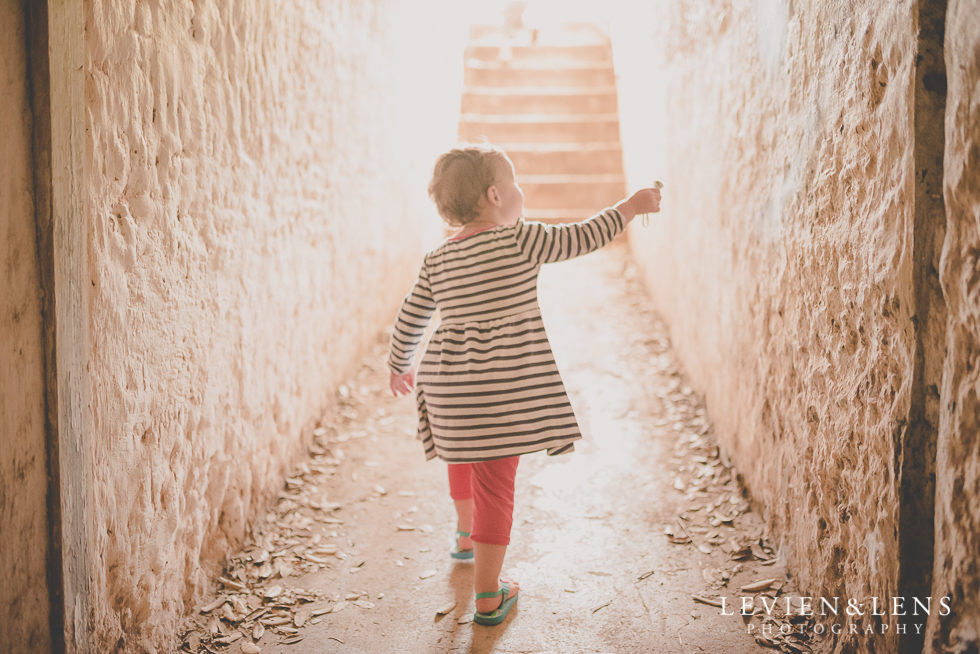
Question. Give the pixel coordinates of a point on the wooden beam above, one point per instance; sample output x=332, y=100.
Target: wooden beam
x=917, y=463
x=57, y=49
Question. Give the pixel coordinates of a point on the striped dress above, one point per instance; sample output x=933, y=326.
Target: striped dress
x=487, y=386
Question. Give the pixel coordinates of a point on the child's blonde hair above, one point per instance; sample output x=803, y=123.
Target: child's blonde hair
x=461, y=177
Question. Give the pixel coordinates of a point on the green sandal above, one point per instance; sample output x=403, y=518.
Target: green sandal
x=496, y=616
x=456, y=552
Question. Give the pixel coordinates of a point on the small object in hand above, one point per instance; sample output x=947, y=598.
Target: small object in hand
x=657, y=183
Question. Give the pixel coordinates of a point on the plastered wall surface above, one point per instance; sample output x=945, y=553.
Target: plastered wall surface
x=956, y=570
x=23, y=462
x=256, y=192
x=782, y=262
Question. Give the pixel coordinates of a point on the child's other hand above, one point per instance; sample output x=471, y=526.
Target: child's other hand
x=645, y=200
x=402, y=384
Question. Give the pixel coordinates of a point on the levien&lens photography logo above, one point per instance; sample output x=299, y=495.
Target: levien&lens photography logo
x=845, y=616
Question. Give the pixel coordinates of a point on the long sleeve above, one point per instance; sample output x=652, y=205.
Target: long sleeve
x=543, y=243
x=413, y=317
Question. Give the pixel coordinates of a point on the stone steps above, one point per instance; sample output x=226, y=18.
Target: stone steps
x=549, y=99
x=540, y=76
x=534, y=100
x=493, y=53
x=538, y=128
x=566, y=158
x=580, y=33
x=555, y=216
x=566, y=192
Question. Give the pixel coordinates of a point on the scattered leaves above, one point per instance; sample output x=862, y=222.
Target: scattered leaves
x=757, y=586
x=300, y=618
x=713, y=521
x=711, y=601
x=253, y=599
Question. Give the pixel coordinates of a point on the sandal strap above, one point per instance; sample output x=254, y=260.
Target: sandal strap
x=502, y=591
x=464, y=534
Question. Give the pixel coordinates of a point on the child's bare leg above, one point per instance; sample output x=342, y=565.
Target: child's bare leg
x=464, y=522
x=486, y=575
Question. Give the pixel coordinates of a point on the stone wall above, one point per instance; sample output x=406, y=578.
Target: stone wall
x=256, y=193
x=782, y=261
x=24, y=602
x=957, y=570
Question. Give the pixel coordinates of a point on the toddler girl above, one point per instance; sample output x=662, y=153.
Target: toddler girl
x=488, y=389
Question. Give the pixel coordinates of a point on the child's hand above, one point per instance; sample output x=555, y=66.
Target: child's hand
x=402, y=384
x=645, y=200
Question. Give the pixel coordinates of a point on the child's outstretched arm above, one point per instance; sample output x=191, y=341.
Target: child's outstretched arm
x=551, y=243
x=413, y=317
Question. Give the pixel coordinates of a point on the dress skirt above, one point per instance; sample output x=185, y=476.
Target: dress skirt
x=491, y=389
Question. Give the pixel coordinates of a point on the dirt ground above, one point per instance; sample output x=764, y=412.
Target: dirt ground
x=625, y=546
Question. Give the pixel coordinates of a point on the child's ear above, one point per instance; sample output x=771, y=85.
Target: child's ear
x=493, y=196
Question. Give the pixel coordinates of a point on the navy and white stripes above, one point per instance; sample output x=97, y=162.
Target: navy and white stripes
x=487, y=386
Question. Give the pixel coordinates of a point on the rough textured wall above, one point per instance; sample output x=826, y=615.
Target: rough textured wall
x=257, y=206
x=782, y=262
x=957, y=569
x=23, y=461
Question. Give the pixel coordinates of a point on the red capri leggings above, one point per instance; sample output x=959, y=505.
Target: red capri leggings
x=490, y=484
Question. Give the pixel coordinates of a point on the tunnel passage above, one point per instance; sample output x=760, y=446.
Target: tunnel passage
x=249, y=189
